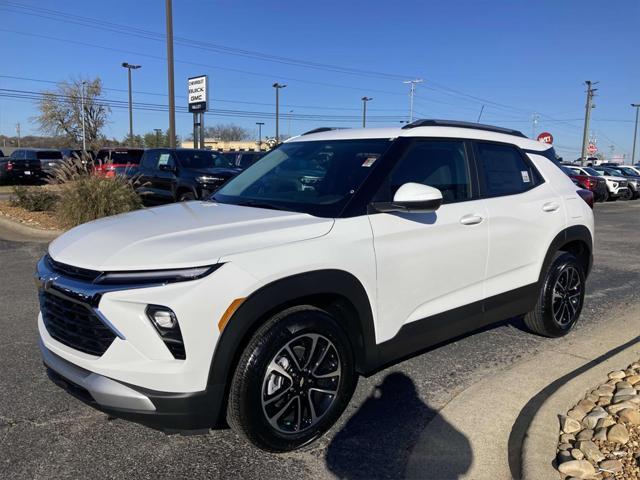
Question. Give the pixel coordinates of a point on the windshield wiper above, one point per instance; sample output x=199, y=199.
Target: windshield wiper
x=260, y=204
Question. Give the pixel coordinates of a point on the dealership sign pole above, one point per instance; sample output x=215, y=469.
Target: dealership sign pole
x=198, y=98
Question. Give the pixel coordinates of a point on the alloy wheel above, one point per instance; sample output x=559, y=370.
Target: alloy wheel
x=301, y=383
x=567, y=296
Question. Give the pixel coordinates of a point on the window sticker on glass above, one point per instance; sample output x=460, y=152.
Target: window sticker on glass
x=525, y=176
x=369, y=159
x=164, y=159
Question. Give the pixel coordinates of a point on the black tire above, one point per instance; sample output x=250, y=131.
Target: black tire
x=250, y=399
x=186, y=197
x=605, y=196
x=549, y=318
x=627, y=195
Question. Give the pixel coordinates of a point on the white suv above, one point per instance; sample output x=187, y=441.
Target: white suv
x=338, y=253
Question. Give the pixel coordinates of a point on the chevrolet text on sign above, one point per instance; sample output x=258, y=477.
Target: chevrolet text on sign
x=198, y=93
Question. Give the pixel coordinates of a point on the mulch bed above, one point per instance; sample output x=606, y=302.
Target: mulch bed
x=42, y=220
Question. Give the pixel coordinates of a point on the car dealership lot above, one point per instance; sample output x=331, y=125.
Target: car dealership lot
x=46, y=433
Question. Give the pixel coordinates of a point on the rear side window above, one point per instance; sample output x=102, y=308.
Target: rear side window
x=504, y=170
x=49, y=155
x=439, y=164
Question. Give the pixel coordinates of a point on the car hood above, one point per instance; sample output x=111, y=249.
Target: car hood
x=215, y=171
x=184, y=234
x=614, y=178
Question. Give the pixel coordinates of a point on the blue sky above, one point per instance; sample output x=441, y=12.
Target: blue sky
x=514, y=57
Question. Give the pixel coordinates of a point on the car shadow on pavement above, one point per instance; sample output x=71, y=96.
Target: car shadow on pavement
x=384, y=438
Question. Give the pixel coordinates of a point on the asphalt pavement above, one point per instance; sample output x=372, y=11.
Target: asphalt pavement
x=45, y=433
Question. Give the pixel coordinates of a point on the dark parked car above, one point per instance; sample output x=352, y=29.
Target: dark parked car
x=182, y=174
x=20, y=167
x=49, y=159
x=77, y=153
x=117, y=161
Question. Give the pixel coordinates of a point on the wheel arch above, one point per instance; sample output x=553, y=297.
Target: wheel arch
x=577, y=240
x=337, y=291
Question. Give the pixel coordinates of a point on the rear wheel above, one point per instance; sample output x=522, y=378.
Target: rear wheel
x=293, y=380
x=605, y=196
x=561, y=297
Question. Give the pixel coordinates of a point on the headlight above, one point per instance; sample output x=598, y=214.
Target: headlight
x=157, y=276
x=207, y=179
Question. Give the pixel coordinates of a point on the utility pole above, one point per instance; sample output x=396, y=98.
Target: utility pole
x=587, y=119
x=635, y=134
x=18, y=133
x=130, y=67
x=364, y=110
x=84, y=141
x=278, y=86
x=289, y=124
x=412, y=92
x=534, y=123
x=260, y=124
x=158, y=131
x=172, y=98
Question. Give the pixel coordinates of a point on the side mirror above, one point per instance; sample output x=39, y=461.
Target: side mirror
x=412, y=197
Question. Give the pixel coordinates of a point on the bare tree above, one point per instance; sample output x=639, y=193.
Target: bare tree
x=227, y=132
x=61, y=111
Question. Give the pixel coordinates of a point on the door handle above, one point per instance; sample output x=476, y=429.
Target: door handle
x=471, y=219
x=550, y=207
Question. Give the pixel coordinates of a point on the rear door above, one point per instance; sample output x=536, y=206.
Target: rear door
x=146, y=177
x=165, y=178
x=525, y=214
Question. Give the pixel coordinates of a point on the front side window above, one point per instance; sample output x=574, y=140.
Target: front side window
x=439, y=164
x=316, y=177
x=503, y=170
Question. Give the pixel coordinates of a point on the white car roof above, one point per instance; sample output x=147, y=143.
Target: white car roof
x=428, y=131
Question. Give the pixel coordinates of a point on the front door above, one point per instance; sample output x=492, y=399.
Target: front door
x=430, y=263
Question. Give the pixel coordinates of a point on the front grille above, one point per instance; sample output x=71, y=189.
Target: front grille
x=75, y=325
x=73, y=272
x=623, y=183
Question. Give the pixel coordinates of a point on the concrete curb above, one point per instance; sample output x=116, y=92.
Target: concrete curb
x=539, y=447
x=492, y=419
x=19, y=232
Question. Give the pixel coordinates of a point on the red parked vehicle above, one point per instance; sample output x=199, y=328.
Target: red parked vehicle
x=596, y=185
x=117, y=161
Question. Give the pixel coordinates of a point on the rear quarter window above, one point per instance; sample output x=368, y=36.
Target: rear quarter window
x=504, y=170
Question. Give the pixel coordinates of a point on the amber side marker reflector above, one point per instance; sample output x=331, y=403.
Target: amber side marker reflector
x=229, y=312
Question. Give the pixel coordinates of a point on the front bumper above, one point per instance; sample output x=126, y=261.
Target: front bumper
x=170, y=412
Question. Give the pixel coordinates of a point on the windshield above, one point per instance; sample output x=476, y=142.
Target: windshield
x=202, y=159
x=49, y=155
x=591, y=171
x=628, y=171
x=316, y=177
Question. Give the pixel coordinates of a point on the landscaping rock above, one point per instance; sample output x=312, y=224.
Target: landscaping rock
x=629, y=415
x=613, y=466
x=586, y=405
x=618, y=434
x=567, y=438
x=633, y=379
x=577, y=453
x=577, y=468
x=617, y=375
x=591, y=420
x=600, y=435
x=576, y=413
x=616, y=407
x=605, y=422
x=621, y=385
x=586, y=434
x=565, y=446
x=569, y=425
x=591, y=451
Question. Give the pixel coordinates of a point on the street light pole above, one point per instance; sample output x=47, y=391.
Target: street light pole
x=172, y=98
x=130, y=67
x=84, y=142
x=364, y=110
x=260, y=124
x=157, y=130
x=278, y=86
x=635, y=134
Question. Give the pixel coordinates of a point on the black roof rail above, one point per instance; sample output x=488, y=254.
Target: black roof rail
x=459, y=124
x=322, y=129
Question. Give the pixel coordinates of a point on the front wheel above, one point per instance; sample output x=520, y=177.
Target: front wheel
x=561, y=298
x=627, y=194
x=186, y=197
x=293, y=380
